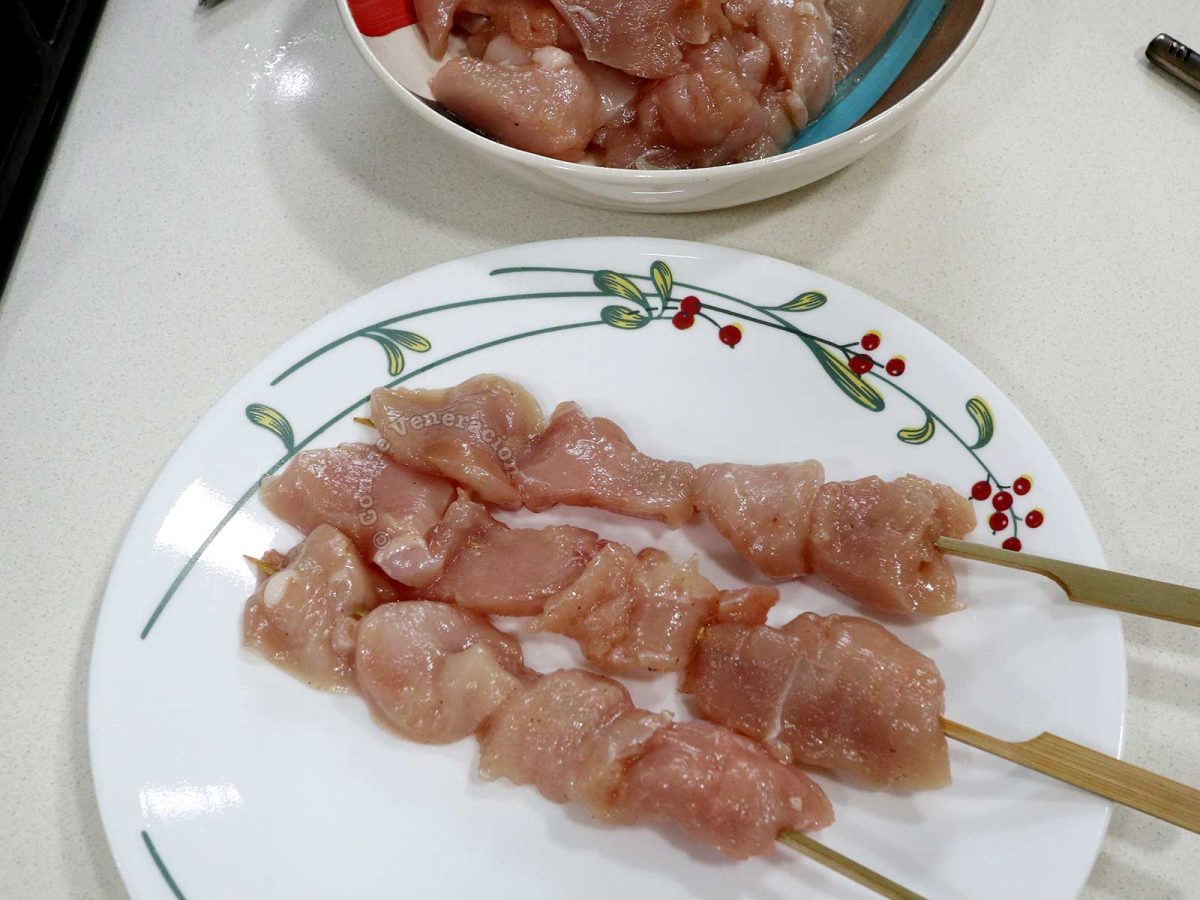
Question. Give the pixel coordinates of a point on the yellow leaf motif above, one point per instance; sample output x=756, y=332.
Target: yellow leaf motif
x=623, y=317
x=917, y=435
x=410, y=340
x=394, y=343
x=853, y=386
x=274, y=421
x=660, y=274
x=395, y=358
x=620, y=286
x=981, y=415
x=803, y=303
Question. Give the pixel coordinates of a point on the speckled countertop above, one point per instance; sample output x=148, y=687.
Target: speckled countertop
x=224, y=179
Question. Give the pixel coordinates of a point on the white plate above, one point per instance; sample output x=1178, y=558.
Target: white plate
x=220, y=776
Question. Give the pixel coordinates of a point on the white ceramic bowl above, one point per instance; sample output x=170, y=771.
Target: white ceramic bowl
x=401, y=58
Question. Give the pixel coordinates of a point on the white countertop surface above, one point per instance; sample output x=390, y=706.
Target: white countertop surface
x=224, y=179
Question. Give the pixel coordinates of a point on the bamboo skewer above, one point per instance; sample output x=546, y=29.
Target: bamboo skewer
x=1092, y=771
x=1095, y=587
x=1051, y=755
x=261, y=564
x=843, y=865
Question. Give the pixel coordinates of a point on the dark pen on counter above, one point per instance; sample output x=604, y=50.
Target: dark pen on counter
x=1175, y=57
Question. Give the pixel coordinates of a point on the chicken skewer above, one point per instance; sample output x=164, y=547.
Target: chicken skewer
x=881, y=543
x=752, y=680
x=574, y=580
x=872, y=540
x=659, y=609
x=437, y=673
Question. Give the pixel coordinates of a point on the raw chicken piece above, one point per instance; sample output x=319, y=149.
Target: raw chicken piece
x=764, y=511
x=721, y=788
x=702, y=82
x=839, y=692
x=459, y=529
x=385, y=509
x=618, y=91
x=628, y=612
x=538, y=736
x=710, y=104
x=748, y=605
x=799, y=34
x=471, y=433
x=707, y=114
x=606, y=757
x=507, y=571
x=580, y=461
x=875, y=541
x=741, y=96
x=549, y=107
x=531, y=23
x=633, y=613
x=435, y=18
x=303, y=617
x=502, y=50
x=434, y=671
x=858, y=26
x=642, y=37
x=577, y=736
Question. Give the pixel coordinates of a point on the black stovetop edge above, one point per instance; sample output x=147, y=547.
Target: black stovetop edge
x=59, y=61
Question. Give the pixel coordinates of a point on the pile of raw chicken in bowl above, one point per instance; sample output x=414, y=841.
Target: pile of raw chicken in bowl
x=657, y=105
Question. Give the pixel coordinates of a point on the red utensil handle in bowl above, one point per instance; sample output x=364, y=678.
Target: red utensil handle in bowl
x=376, y=18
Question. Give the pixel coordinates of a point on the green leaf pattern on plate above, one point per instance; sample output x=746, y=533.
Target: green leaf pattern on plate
x=274, y=421
x=918, y=435
x=623, y=317
x=660, y=274
x=621, y=286
x=804, y=302
x=985, y=422
x=853, y=386
x=394, y=342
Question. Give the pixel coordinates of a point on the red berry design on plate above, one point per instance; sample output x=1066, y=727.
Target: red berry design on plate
x=1003, y=501
x=1034, y=518
x=981, y=490
x=690, y=305
x=895, y=366
x=682, y=320
x=730, y=335
x=861, y=364
x=998, y=521
x=871, y=340
x=1023, y=485
x=1012, y=543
